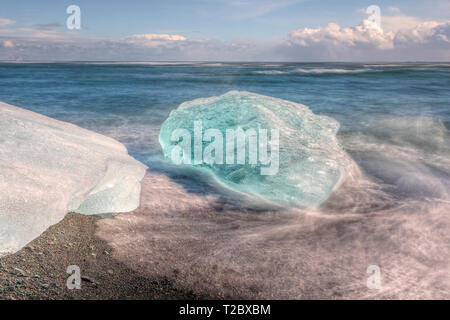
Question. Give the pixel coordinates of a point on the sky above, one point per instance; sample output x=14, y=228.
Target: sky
x=226, y=30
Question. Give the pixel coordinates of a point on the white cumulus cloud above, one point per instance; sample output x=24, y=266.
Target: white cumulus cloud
x=427, y=40
x=333, y=35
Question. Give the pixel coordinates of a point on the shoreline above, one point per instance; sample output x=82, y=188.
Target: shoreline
x=38, y=271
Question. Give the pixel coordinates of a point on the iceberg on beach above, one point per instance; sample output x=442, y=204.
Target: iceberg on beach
x=49, y=168
x=309, y=163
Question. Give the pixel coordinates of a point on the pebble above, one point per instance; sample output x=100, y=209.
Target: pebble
x=21, y=272
x=87, y=279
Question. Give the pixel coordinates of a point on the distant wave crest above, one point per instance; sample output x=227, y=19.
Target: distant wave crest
x=312, y=71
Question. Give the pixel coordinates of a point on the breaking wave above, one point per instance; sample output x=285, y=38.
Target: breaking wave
x=312, y=71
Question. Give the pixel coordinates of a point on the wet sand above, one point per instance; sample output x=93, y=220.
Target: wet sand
x=38, y=271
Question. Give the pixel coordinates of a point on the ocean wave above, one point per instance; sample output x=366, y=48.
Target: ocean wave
x=312, y=71
x=138, y=63
x=270, y=72
x=407, y=65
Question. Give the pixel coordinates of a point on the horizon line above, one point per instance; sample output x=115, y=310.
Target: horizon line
x=224, y=61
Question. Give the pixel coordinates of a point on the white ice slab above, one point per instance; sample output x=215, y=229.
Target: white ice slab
x=49, y=168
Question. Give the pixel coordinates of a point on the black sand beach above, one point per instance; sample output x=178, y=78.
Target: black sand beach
x=38, y=271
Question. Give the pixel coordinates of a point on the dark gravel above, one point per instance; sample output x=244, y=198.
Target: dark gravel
x=38, y=271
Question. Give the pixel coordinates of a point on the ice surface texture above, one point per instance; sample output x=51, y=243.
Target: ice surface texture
x=311, y=161
x=49, y=168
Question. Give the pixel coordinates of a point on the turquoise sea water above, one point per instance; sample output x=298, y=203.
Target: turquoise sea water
x=389, y=113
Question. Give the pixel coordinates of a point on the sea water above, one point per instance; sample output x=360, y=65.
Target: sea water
x=394, y=123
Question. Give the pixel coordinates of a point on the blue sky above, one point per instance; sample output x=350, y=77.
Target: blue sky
x=257, y=19
x=262, y=23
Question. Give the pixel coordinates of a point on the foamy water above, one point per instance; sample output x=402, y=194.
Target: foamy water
x=313, y=71
x=392, y=214
x=217, y=248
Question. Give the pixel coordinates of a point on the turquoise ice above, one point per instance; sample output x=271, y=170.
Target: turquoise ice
x=311, y=161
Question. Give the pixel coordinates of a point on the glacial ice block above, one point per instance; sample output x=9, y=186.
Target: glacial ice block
x=311, y=162
x=49, y=168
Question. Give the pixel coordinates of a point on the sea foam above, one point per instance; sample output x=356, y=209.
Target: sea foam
x=313, y=71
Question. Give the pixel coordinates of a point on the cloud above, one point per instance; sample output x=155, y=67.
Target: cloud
x=154, y=40
x=429, y=32
x=333, y=35
x=51, y=25
x=153, y=36
x=34, y=34
x=8, y=44
x=6, y=22
x=397, y=23
x=37, y=44
x=367, y=41
x=420, y=40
